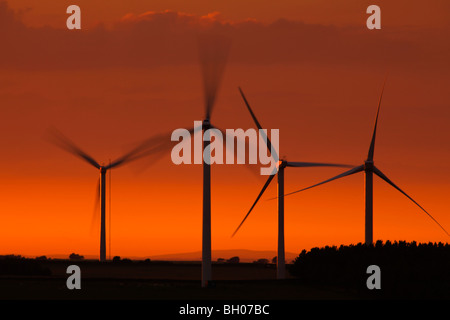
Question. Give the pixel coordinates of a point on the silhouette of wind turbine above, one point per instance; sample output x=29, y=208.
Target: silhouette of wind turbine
x=369, y=169
x=213, y=54
x=281, y=268
x=148, y=147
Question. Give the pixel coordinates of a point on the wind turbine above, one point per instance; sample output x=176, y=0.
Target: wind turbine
x=281, y=268
x=147, y=147
x=213, y=53
x=369, y=169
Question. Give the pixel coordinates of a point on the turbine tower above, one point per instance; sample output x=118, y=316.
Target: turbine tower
x=148, y=147
x=369, y=170
x=281, y=268
x=213, y=52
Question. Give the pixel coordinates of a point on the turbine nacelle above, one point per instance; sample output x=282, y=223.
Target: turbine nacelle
x=368, y=165
x=206, y=124
x=282, y=164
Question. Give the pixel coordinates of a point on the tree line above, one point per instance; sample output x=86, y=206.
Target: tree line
x=408, y=269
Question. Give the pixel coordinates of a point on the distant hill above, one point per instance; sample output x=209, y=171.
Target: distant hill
x=244, y=255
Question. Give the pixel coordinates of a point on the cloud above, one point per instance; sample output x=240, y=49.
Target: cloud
x=169, y=38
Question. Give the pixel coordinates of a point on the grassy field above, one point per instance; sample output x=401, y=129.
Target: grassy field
x=164, y=281
x=409, y=271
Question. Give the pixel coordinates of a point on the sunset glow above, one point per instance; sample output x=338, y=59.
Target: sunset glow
x=309, y=68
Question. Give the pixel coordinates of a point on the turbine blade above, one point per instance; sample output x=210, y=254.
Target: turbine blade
x=315, y=164
x=213, y=53
x=54, y=136
x=385, y=178
x=372, y=142
x=156, y=152
x=152, y=145
x=258, y=125
x=344, y=174
x=269, y=180
x=196, y=129
x=254, y=170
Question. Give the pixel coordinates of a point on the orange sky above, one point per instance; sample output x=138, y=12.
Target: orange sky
x=316, y=76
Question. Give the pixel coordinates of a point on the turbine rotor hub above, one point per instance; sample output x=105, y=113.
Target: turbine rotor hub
x=368, y=165
x=282, y=164
x=206, y=124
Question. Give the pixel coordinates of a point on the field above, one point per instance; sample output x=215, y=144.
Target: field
x=163, y=280
x=405, y=271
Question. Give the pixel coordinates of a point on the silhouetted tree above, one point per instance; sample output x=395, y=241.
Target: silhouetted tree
x=14, y=265
x=233, y=260
x=407, y=269
x=261, y=261
x=126, y=260
x=75, y=256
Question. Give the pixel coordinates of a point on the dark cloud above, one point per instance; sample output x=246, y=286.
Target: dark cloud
x=161, y=38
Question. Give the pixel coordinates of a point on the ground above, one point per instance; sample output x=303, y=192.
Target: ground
x=174, y=281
